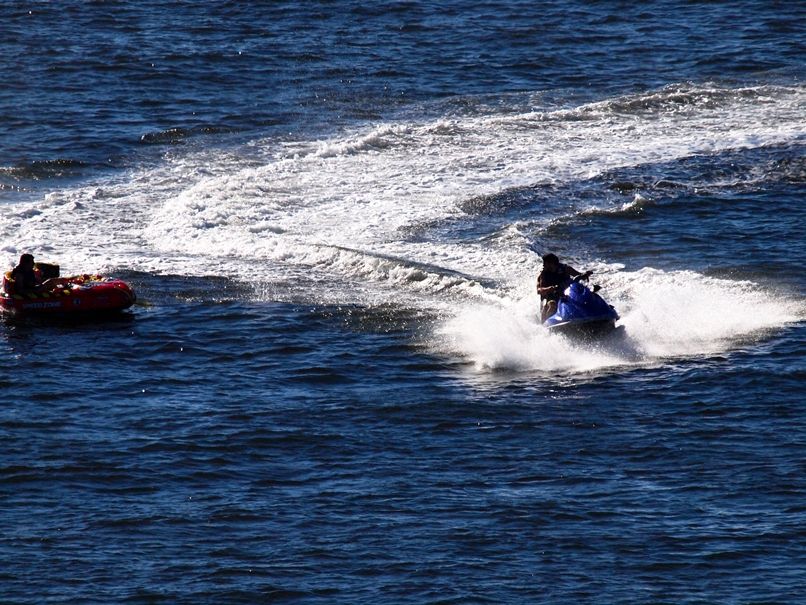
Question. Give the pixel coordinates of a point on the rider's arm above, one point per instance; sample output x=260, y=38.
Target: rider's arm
x=544, y=290
x=574, y=273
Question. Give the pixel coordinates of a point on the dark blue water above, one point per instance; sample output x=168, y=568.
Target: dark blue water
x=333, y=388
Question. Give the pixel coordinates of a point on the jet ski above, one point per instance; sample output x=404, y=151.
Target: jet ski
x=582, y=312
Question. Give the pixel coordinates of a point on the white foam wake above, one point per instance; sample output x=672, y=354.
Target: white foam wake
x=358, y=211
x=663, y=314
x=241, y=211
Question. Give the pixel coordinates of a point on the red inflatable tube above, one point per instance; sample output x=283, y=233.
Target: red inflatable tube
x=77, y=294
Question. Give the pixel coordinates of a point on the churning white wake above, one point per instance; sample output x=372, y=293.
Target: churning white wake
x=345, y=203
x=663, y=314
x=355, y=217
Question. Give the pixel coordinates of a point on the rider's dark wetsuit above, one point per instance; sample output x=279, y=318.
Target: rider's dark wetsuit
x=559, y=278
x=556, y=281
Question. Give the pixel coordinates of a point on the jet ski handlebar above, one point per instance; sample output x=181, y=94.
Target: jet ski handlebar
x=584, y=277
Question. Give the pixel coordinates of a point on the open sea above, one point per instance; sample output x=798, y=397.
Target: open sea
x=334, y=388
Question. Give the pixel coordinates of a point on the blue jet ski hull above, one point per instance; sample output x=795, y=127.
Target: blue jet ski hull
x=588, y=327
x=582, y=312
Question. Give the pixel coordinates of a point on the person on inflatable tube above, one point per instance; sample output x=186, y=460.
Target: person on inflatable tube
x=27, y=281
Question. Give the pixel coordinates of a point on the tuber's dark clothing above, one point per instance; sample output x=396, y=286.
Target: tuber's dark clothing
x=25, y=279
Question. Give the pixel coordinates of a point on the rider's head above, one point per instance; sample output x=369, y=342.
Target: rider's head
x=27, y=260
x=550, y=261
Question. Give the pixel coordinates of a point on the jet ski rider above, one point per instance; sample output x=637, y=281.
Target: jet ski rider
x=553, y=279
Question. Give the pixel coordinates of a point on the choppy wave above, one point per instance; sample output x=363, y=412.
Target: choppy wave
x=688, y=97
x=44, y=169
x=173, y=136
